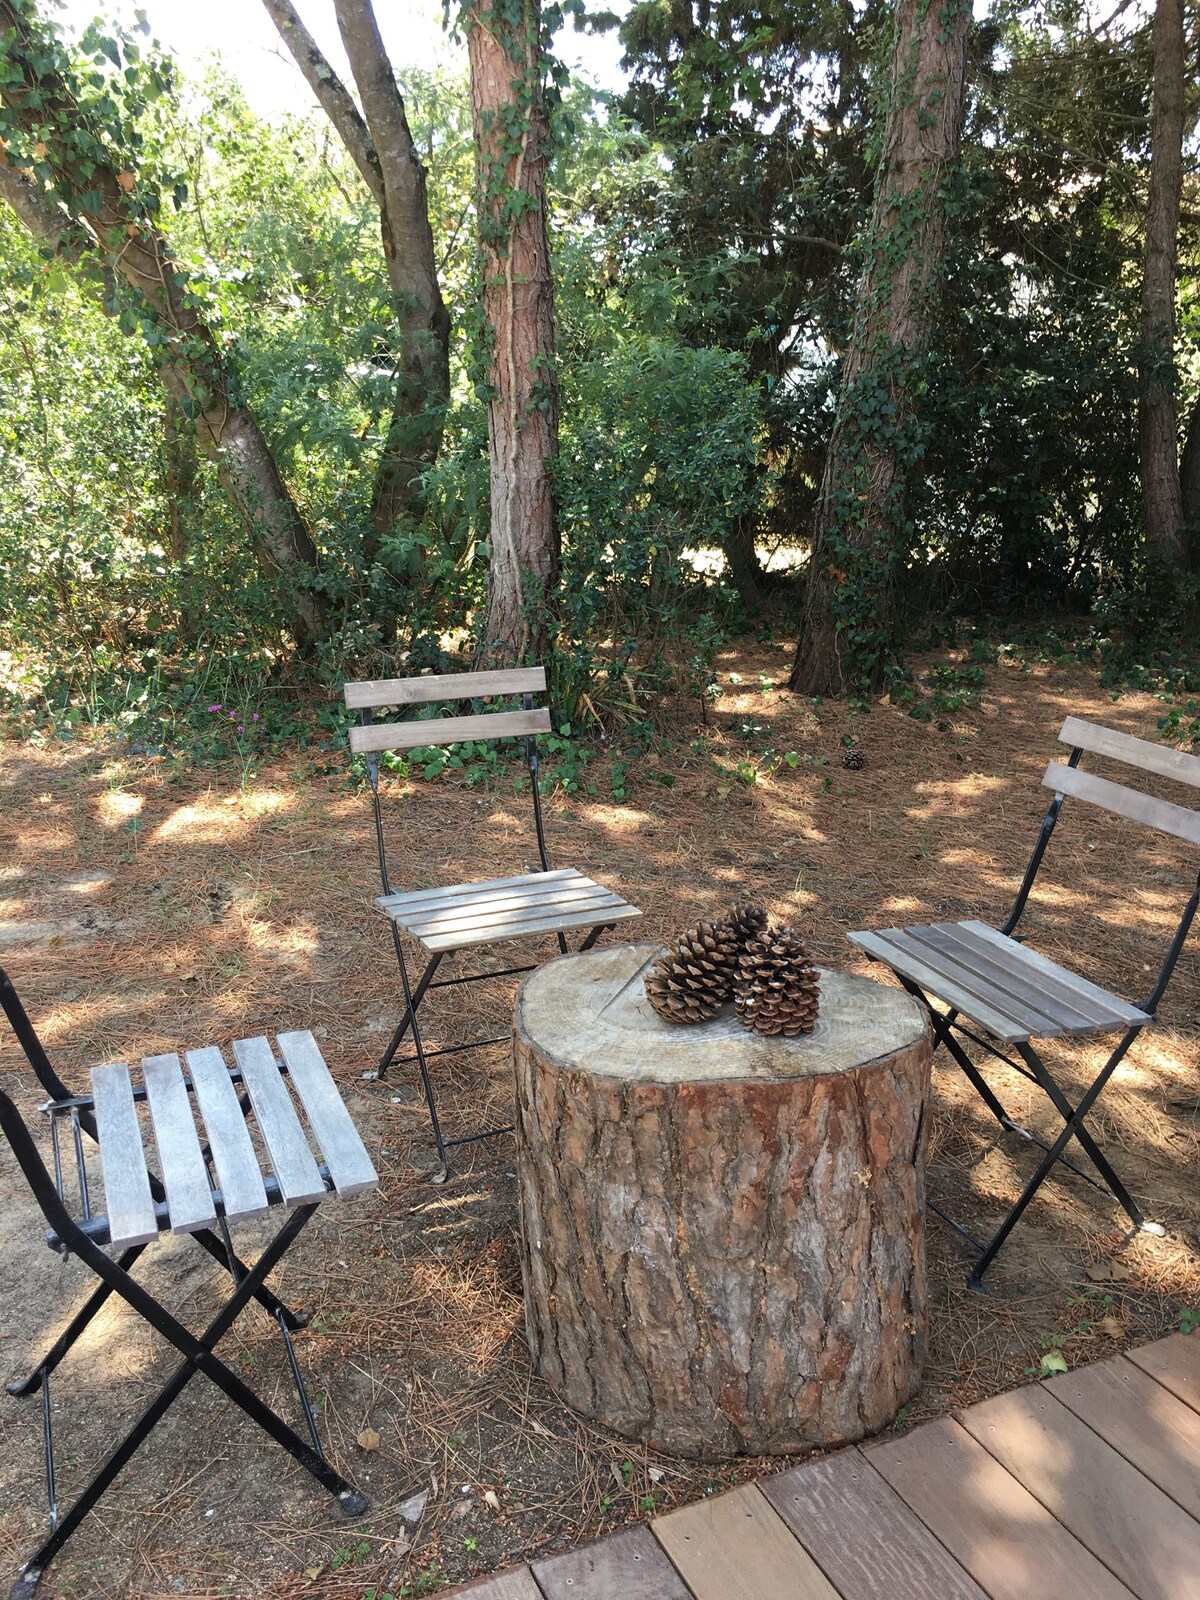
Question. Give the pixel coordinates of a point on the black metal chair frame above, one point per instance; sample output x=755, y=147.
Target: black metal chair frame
x=474, y=687
x=86, y=1238
x=946, y=1026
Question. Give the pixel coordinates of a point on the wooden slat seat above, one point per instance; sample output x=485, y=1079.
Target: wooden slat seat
x=231, y=1182
x=460, y=915
x=1004, y=986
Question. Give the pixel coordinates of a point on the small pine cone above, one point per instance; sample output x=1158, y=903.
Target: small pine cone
x=777, y=988
x=694, y=979
x=853, y=758
x=746, y=921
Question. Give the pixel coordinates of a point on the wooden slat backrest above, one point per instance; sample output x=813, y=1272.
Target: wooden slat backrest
x=448, y=730
x=1157, y=758
x=1164, y=815
x=448, y=686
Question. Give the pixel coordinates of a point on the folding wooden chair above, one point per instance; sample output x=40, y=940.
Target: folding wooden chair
x=202, y=1187
x=991, y=978
x=465, y=916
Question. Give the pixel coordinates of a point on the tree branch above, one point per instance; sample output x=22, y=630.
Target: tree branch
x=331, y=93
x=44, y=219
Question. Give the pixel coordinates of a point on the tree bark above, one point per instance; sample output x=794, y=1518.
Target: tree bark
x=722, y=1235
x=511, y=146
x=118, y=230
x=1189, y=485
x=859, y=532
x=1158, y=432
x=380, y=143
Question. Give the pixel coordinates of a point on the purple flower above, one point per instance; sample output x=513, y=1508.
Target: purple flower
x=217, y=707
x=254, y=718
x=241, y=728
x=233, y=716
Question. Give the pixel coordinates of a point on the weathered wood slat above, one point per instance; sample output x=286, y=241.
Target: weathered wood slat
x=1137, y=1531
x=471, y=893
x=935, y=983
x=345, y=1154
x=449, y=730
x=1082, y=991
x=1101, y=741
x=560, y=922
x=1038, y=1023
x=1163, y=815
x=1000, y=970
x=371, y=692
x=867, y=1542
x=516, y=1584
x=1175, y=1363
x=492, y=913
x=1145, y=1422
x=629, y=1564
x=990, y=1523
x=291, y=1159
x=241, y=1184
x=184, y=1175
x=736, y=1545
x=127, y=1196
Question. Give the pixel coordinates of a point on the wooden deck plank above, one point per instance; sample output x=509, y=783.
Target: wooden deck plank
x=127, y=1196
x=629, y=1564
x=1158, y=1433
x=868, y=1543
x=990, y=1523
x=1175, y=1363
x=516, y=1584
x=242, y=1190
x=736, y=1547
x=185, y=1177
x=1137, y=1531
x=346, y=1156
x=291, y=1160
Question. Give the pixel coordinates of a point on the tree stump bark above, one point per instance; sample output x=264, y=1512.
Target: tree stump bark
x=722, y=1235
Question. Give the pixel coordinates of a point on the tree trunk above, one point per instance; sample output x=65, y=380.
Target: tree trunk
x=722, y=1235
x=116, y=227
x=1189, y=485
x=382, y=148
x=179, y=448
x=511, y=144
x=1158, y=432
x=860, y=534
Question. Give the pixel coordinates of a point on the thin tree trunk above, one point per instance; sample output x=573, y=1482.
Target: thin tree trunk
x=179, y=446
x=1158, y=432
x=116, y=229
x=511, y=145
x=859, y=534
x=380, y=143
x=1189, y=485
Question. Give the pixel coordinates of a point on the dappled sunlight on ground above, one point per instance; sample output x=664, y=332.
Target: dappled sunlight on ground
x=146, y=910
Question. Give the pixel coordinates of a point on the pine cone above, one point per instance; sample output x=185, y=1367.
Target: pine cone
x=853, y=758
x=746, y=921
x=776, y=989
x=694, y=979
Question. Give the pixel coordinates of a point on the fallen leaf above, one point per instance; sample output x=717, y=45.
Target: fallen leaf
x=1112, y=1326
x=1109, y=1272
x=313, y=1573
x=656, y=1474
x=492, y=1499
x=368, y=1439
x=1053, y=1361
x=412, y=1508
x=618, y=1475
x=461, y=1510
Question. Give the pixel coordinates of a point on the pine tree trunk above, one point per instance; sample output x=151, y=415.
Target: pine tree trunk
x=1158, y=433
x=860, y=535
x=1189, y=484
x=722, y=1235
x=511, y=144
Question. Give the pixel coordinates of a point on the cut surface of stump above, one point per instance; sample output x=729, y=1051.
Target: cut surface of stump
x=722, y=1234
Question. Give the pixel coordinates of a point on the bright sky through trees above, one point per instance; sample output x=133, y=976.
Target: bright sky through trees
x=242, y=33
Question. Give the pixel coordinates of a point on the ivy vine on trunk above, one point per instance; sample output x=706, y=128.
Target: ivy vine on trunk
x=861, y=535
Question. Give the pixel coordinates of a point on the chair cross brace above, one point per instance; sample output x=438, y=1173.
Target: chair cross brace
x=197, y=1352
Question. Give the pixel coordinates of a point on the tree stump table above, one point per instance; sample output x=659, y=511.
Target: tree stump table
x=722, y=1234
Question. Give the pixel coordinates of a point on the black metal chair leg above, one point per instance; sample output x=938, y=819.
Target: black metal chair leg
x=198, y=1357
x=419, y=1047
x=409, y=1017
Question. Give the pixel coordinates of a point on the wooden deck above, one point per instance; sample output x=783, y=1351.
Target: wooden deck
x=1086, y=1487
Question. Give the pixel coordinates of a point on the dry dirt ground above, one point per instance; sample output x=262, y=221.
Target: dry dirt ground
x=141, y=910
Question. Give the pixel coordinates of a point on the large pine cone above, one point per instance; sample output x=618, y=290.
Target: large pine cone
x=746, y=921
x=777, y=989
x=694, y=979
